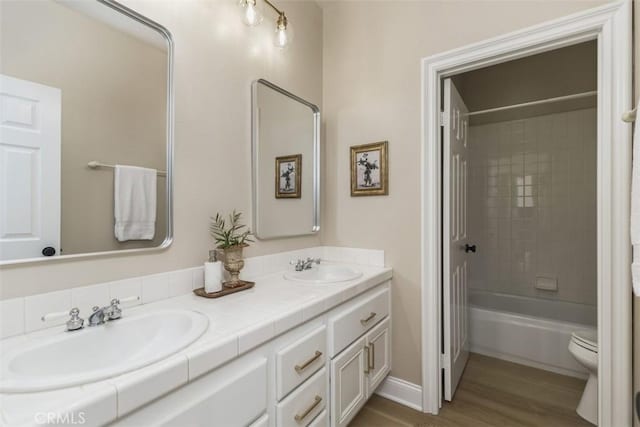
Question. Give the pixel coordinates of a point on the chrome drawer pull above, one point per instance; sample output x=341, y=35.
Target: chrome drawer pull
x=368, y=318
x=302, y=416
x=305, y=365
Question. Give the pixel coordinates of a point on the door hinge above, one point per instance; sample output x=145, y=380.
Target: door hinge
x=444, y=362
x=443, y=118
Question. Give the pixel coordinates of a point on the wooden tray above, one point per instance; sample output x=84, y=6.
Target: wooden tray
x=225, y=290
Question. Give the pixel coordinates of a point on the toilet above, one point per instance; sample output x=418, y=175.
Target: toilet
x=584, y=347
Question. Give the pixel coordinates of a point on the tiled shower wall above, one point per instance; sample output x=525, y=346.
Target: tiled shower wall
x=532, y=206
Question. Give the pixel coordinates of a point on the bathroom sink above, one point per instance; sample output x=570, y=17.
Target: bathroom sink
x=95, y=353
x=324, y=274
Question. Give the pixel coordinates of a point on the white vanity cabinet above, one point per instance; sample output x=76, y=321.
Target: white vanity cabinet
x=318, y=374
x=360, y=368
x=233, y=396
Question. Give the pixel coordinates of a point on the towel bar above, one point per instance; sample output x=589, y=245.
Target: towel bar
x=95, y=164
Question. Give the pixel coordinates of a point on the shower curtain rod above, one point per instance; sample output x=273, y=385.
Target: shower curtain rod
x=539, y=102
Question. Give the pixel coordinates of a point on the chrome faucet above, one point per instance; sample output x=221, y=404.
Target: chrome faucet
x=301, y=264
x=105, y=314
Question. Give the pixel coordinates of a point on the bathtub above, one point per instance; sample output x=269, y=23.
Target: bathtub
x=529, y=331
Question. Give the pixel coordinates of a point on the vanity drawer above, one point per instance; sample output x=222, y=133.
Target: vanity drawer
x=321, y=420
x=305, y=403
x=346, y=327
x=298, y=361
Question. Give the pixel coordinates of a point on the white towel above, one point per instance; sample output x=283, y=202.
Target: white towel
x=635, y=209
x=135, y=203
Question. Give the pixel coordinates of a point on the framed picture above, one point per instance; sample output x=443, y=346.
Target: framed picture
x=288, y=173
x=369, y=172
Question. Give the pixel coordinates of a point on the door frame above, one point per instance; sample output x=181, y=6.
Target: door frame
x=611, y=26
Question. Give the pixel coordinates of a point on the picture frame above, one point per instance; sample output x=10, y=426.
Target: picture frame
x=288, y=177
x=369, y=169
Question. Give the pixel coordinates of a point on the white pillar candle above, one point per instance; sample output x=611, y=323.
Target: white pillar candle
x=212, y=276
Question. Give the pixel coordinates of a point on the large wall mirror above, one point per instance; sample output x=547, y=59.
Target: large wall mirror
x=286, y=163
x=85, y=130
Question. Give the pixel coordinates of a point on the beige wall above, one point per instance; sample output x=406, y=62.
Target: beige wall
x=216, y=59
x=372, y=54
x=113, y=109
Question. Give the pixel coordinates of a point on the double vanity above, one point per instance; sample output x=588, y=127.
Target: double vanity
x=302, y=348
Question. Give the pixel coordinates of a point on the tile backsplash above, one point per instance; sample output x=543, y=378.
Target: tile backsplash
x=532, y=206
x=23, y=315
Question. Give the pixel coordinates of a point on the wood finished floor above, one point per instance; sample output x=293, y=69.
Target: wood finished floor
x=493, y=393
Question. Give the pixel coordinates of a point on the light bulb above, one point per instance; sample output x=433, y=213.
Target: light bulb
x=283, y=34
x=251, y=15
x=281, y=38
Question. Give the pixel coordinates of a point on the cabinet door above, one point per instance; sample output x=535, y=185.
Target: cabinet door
x=263, y=421
x=232, y=396
x=348, y=383
x=378, y=354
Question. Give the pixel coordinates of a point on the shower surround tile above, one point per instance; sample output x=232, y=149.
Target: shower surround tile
x=532, y=205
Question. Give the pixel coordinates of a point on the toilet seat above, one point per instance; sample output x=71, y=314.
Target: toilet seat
x=586, y=339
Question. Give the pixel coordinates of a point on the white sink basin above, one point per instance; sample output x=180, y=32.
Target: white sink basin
x=323, y=274
x=95, y=353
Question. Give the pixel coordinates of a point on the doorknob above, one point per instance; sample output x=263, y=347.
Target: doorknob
x=470, y=248
x=49, y=251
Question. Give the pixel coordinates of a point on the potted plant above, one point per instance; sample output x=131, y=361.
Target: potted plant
x=231, y=237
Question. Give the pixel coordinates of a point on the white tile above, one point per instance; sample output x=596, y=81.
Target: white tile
x=253, y=336
x=287, y=321
x=253, y=267
x=127, y=288
x=197, y=277
x=270, y=264
x=313, y=309
x=99, y=407
x=361, y=256
x=38, y=305
x=87, y=297
x=180, y=282
x=140, y=387
x=155, y=288
x=11, y=317
x=376, y=258
x=206, y=358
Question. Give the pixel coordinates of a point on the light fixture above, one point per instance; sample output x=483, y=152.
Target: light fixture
x=252, y=15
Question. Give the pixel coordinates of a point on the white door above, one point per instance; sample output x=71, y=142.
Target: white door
x=30, y=115
x=456, y=247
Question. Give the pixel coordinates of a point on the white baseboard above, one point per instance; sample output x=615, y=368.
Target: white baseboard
x=402, y=392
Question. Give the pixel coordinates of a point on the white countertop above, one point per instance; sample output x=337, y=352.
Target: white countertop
x=237, y=323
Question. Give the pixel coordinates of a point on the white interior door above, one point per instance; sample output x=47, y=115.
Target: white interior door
x=455, y=302
x=30, y=127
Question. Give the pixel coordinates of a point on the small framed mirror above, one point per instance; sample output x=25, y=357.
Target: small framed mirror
x=286, y=163
x=86, y=127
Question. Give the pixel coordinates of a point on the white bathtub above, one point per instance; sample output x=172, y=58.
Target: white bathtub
x=529, y=331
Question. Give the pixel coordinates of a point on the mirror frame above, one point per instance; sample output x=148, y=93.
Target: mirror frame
x=169, y=150
x=255, y=138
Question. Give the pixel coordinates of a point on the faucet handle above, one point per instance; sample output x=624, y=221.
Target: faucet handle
x=115, y=312
x=75, y=322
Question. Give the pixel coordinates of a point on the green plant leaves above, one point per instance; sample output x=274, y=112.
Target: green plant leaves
x=231, y=235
